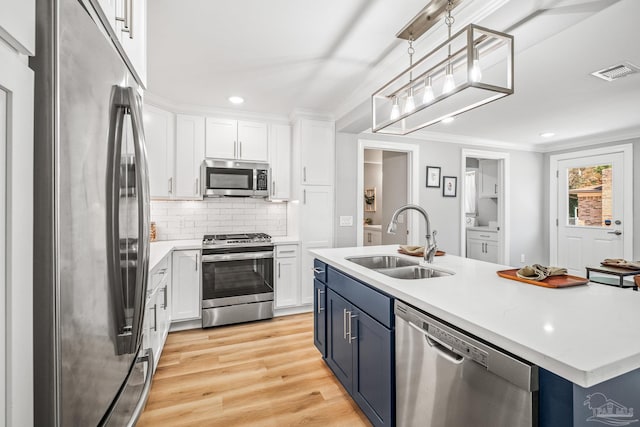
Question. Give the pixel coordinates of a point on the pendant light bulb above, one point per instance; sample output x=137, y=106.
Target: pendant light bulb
x=428, y=96
x=410, y=104
x=449, y=82
x=476, y=72
x=395, y=110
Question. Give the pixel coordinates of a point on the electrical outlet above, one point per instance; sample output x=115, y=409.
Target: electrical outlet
x=522, y=258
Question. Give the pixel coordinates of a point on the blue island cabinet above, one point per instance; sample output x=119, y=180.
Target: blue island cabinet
x=360, y=343
x=615, y=402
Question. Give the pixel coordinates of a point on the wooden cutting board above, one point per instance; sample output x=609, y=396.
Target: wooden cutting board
x=550, y=282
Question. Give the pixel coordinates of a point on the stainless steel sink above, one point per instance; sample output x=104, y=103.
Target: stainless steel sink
x=398, y=267
x=383, y=261
x=412, y=272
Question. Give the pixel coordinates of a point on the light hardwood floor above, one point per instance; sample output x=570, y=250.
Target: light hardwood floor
x=264, y=373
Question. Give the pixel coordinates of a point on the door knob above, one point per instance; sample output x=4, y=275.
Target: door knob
x=617, y=232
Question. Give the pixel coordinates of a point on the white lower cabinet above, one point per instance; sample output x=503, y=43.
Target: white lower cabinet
x=287, y=279
x=482, y=245
x=372, y=237
x=185, y=295
x=158, y=311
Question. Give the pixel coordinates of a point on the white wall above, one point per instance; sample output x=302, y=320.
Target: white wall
x=192, y=219
x=346, y=191
x=527, y=180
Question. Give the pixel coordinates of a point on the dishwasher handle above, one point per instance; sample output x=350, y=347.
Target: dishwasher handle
x=444, y=351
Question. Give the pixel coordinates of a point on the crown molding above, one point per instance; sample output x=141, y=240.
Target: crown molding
x=200, y=110
x=303, y=113
x=581, y=142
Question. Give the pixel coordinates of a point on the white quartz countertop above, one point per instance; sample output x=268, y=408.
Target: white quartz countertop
x=586, y=334
x=159, y=249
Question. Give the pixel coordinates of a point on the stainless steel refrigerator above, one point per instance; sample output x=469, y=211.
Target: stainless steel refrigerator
x=91, y=225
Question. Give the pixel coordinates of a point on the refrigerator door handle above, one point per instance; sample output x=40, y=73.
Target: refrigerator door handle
x=116, y=123
x=147, y=357
x=142, y=182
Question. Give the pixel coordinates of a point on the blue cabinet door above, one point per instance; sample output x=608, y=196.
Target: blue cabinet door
x=339, y=350
x=320, y=317
x=373, y=369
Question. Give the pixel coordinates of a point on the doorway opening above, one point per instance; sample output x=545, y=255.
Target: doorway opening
x=386, y=180
x=484, y=206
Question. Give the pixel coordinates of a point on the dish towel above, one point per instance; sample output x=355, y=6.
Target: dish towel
x=619, y=262
x=539, y=272
x=410, y=249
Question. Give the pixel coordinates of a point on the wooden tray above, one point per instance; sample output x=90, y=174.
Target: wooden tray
x=420, y=254
x=550, y=282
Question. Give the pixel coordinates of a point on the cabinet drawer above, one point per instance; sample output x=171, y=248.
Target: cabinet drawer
x=375, y=304
x=320, y=270
x=482, y=235
x=286, y=251
x=159, y=274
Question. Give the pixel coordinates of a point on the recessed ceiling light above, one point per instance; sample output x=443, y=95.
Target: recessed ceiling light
x=547, y=134
x=236, y=99
x=447, y=120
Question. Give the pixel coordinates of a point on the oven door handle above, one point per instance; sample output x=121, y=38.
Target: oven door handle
x=236, y=257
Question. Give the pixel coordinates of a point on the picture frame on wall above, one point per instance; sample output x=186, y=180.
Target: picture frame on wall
x=433, y=177
x=449, y=186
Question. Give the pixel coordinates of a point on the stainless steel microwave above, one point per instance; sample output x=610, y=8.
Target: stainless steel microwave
x=234, y=178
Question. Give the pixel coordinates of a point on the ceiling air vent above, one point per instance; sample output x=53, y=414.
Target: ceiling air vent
x=616, y=71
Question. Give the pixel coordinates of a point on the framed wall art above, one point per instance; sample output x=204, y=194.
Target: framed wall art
x=449, y=186
x=433, y=176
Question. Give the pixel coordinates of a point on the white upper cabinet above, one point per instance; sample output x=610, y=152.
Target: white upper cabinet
x=488, y=178
x=189, y=155
x=127, y=19
x=221, y=138
x=317, y=152
x=159, y=128
x=233, y=139
x=280, y=161
x=18, y=25
x=252, y=141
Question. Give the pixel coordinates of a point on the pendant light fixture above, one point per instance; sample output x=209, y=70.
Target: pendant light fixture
x=471, y=68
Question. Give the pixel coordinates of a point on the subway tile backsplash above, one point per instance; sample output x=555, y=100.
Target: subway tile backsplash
x=177, y=220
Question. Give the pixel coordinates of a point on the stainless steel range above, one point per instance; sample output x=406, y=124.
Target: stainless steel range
x=237, y=278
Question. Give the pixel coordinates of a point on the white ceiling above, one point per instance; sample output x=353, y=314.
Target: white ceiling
x=329, y=56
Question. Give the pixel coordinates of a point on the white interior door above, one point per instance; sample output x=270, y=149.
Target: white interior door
x=591, y=211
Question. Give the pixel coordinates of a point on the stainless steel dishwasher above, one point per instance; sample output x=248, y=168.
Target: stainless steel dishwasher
x=445, y=378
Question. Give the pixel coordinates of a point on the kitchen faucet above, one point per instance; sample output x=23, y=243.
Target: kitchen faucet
x=430, y=246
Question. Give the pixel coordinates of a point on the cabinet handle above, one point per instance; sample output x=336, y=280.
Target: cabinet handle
x=368, y=237
x=239, y=149
x=155, y=317
x=344, y=323
x=197, y=257
x=164, y=306
x=197, y=192
x=317, y=270
x=350, y=332
x=304, y=197
x=273, y=188
x=235, y=149
x=128, y=22
x=304, y=174
x=495, y=188
x=278, y=270
x=485, y=235
x=320, y=292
